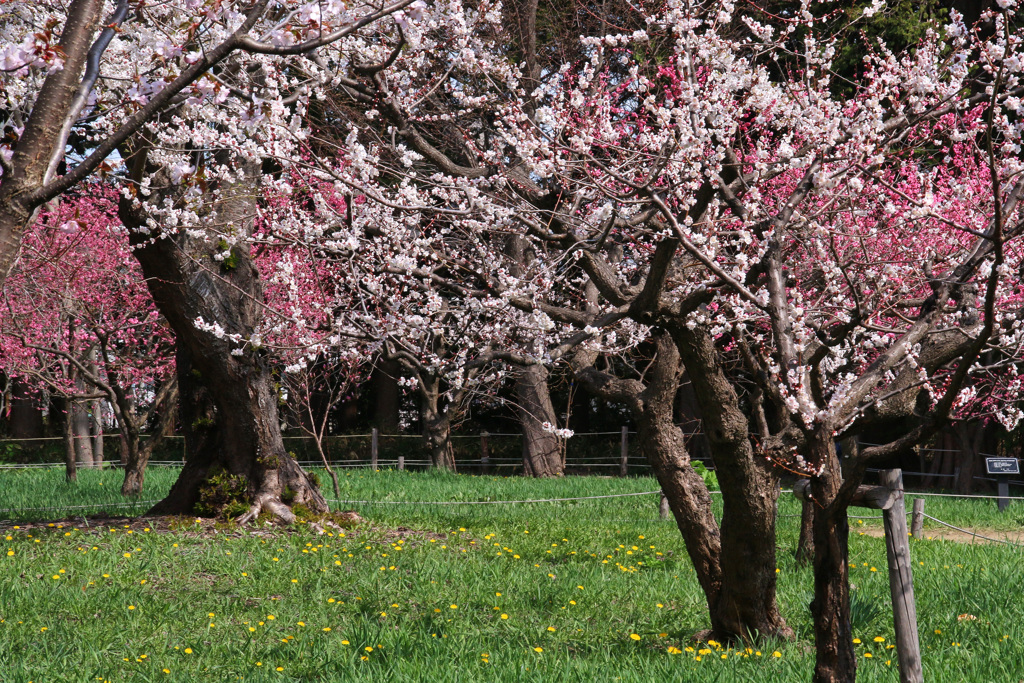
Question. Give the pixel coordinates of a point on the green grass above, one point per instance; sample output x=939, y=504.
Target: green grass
x=119, y=596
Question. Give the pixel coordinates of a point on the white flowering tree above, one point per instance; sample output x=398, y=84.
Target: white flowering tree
x=182, y=104
x=817, y=258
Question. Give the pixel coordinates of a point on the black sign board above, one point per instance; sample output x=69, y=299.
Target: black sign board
x=1002, y=466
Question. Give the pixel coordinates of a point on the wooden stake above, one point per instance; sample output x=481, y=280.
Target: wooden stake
x=663, y=508
x=624, y=457
x=917, y=519
x=485, y=454
x=373, y=448
x=901, y=581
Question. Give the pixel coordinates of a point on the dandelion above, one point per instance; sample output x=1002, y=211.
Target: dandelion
x=504, y=616
x=538, y=649
x=551, y=628
x=634, y=636
x=368, y=648
x=344, y=642
x=327, y=629
x=280, y=668
x=188, y=650
x=856, y=641
x=776, y=654
x=673, y=650
x=454, y=606
x=879, y=639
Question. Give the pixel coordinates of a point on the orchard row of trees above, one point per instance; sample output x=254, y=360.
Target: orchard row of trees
x=822, y=245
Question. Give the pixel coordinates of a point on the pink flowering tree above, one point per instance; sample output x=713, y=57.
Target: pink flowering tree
x=80, y=324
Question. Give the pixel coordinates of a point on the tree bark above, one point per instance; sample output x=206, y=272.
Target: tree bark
x=542, y=451
x=81, y=422
x=740, y=597
x=664, y=446
x=805, y=544
x=747, y=607
x=242, y=456
x=835, y=660
x=436, y=426
x=68, y=432
x=138, y=454
x=34, y=151
x=96, y=429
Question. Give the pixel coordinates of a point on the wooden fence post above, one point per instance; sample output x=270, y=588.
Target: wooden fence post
x=401, y=462
x=889, y=499
x=901, y=580
x=663, y=509
x=917, y=519
x=373, y=448
x=624, y=456
x=485, y=455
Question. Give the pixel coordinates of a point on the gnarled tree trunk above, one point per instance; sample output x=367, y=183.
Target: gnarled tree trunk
x=836, y=661
x=735, y=565
x=436, y=425
x=242, y=455
x=747, y=606
x=138, y=453
x=542, y=450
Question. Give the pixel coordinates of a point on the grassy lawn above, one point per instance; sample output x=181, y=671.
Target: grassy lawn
x=572, y=591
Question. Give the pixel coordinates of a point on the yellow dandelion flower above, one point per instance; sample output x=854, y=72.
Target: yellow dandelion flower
x=776, y=654
x=879, y=639
x=634, y=636
x=538, y=649
x=504, y=616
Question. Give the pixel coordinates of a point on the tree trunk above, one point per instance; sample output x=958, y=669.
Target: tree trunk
x=542, y=450
x=664, y=446
x=138, y=455
x=835, y=660
x=741, y=598
x=81, y=422
x=805, y=544
x=436, y=427
x=241, y=460
x=68, y=432
x=96, y=411
x=747, y=607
